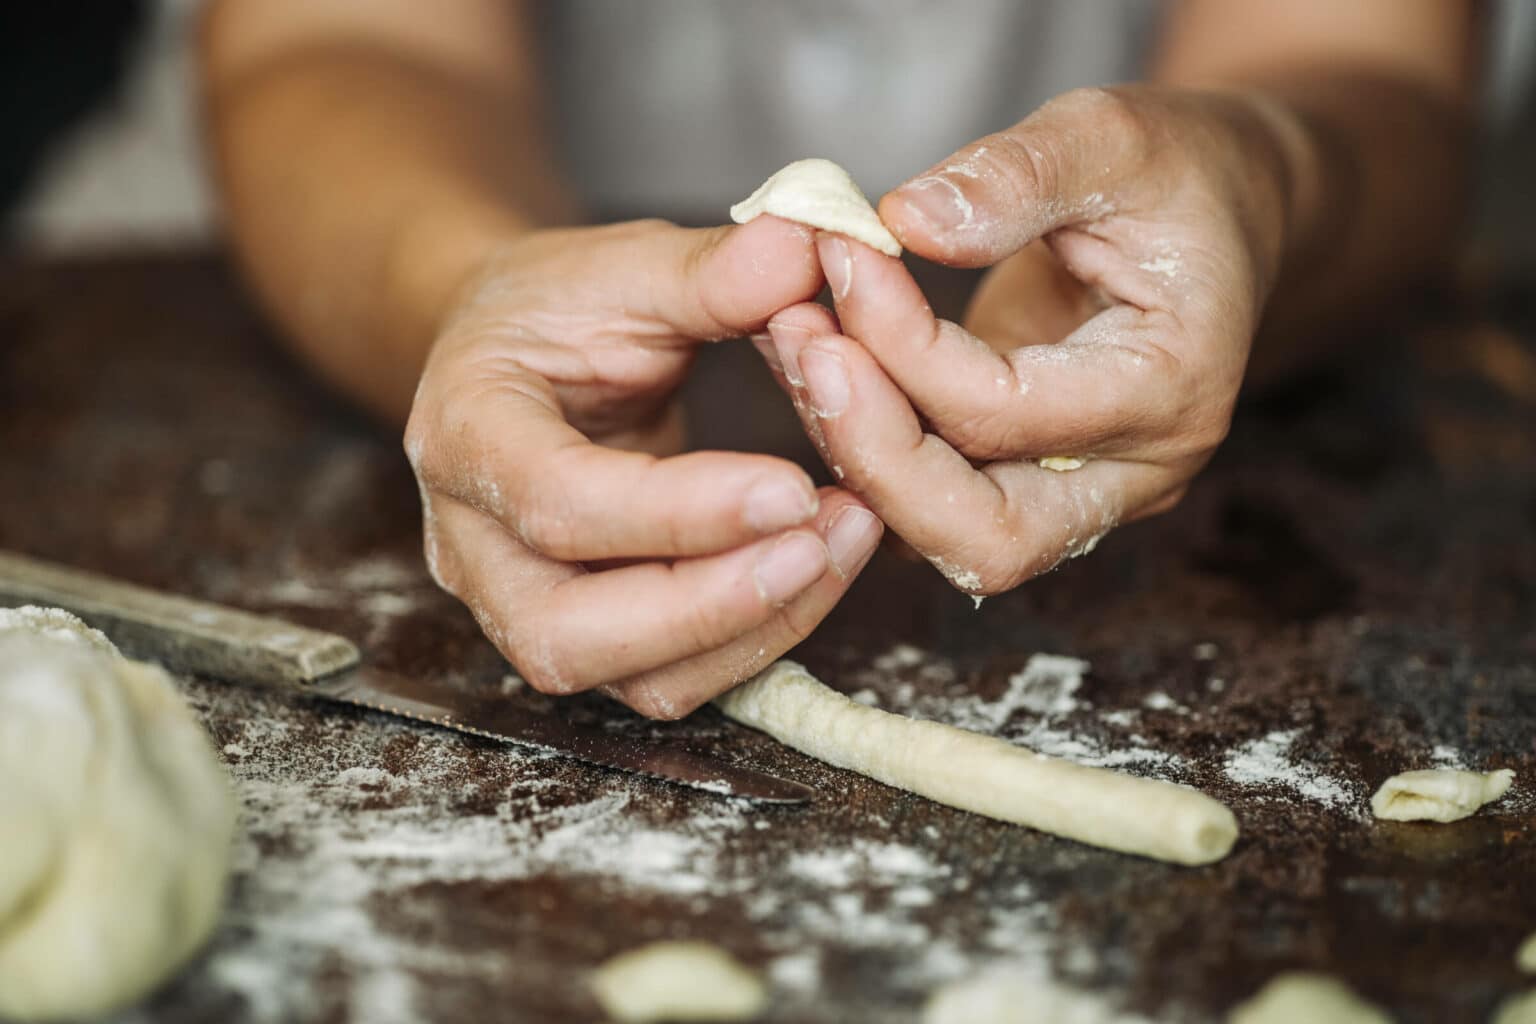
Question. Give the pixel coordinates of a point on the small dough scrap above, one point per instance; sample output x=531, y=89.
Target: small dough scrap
x=678, y=981
x=1525, y=956
x=1520, y=1009
x=1012, y=997
x=984, y=774
x=1438, y=794
x=1063, y=463
x=1298, y=996
x=115, y=823
x=821, y=194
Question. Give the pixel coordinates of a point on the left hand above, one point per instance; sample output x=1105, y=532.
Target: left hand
x=1134, y=235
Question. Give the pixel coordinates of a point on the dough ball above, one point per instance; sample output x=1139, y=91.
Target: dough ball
x=117, y=819
x=1438, y=794
x=1302, y=996
x=678, y=981
x=823, y=195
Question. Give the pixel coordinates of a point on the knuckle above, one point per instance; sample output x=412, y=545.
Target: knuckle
x=1024, y=161
x=650, y=701
x=534, y=653
x=543, y=517
x=1110, y=110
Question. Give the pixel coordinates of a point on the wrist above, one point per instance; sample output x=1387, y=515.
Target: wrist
x=1286, y=162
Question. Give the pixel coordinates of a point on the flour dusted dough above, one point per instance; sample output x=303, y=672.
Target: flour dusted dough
x=115, y=822
x=819, y=193
x=1438, y=794
x=1301, y=996
x=678, y=981
x=982, y=773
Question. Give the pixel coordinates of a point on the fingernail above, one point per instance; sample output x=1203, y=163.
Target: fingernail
x=851, y=538
x=764, y=345
x=938, y=201
x=786, y=342
x=826, y=376
x=790, y=566
x=837, y=264
x=774, y=503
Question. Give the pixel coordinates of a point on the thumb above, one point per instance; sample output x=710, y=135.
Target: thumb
x=1059, y=166
x=714, y=283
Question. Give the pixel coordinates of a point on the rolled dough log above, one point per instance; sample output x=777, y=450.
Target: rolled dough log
x=1303, y=996
x=1520, y=1009
x=982, y=773
x=678, y=981
x=819, y=193
x=115, y=822
x=1438, y=794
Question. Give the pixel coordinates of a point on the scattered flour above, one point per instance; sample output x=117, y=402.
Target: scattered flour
x=1267, y=762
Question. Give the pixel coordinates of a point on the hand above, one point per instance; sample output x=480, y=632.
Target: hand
x=537, y=437
x=1135, y=236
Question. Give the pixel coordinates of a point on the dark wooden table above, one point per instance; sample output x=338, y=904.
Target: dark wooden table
x=1350, y=591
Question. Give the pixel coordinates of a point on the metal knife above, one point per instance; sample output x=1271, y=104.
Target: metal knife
x=199, y=638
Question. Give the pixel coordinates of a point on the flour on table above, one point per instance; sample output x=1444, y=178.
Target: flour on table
x=1268, y=763
x=820, y=194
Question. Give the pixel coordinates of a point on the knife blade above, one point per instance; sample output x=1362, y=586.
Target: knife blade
x=209, y=640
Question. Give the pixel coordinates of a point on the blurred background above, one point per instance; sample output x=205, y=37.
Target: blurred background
x=101, y=148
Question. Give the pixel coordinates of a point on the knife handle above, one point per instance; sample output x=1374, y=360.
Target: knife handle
x=187, y=636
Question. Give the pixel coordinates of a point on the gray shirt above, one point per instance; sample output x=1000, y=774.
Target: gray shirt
x=684, y=106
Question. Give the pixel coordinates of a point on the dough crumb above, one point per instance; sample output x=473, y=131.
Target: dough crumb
x=1305, y=996
x=1063, y=463
x=820, y=194
x=678, y=981
x=1438, y=794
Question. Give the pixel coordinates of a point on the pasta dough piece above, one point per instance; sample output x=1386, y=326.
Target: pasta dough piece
x=1010, y=997
x=819, y=193
x=1438, y=794
x=1525, y=956
x=1304, y=996
x=1063, y=463
x=678, y=981
x=115, y=822
x=982, y=773
x=1520, y=1009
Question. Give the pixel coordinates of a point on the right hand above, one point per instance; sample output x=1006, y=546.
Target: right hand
x=544, y=436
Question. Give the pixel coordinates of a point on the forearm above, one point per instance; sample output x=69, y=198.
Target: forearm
x=1368, y=111
x=362, y=189
x=1372, y=171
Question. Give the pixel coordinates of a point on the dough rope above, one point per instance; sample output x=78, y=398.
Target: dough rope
x=984, y=774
